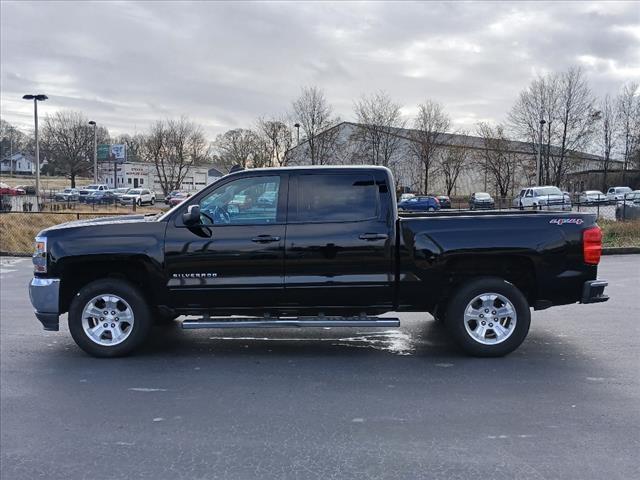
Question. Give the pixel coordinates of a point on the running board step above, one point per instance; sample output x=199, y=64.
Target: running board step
x=253, y=322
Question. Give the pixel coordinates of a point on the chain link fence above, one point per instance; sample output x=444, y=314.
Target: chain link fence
x=18, y=227
x=627, y=207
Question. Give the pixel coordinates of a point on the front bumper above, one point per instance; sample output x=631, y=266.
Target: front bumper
x=593, y=291
x=45, y=298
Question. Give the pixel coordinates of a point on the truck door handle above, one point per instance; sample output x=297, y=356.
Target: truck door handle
x=373, y=236
x=265, y=239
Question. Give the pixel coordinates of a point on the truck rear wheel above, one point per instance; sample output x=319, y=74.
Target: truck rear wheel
x=109, y=318
x=488, y=317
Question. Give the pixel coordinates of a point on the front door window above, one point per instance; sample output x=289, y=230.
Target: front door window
x=246, y=201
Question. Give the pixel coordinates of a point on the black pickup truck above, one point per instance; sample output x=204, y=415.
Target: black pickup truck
x=311, y=246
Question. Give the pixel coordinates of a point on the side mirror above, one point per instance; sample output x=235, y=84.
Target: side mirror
x=192, y=215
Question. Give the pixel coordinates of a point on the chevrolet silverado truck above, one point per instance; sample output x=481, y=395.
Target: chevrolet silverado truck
x=328, y=250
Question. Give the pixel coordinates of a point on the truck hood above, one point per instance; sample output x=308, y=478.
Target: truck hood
x=114, y=220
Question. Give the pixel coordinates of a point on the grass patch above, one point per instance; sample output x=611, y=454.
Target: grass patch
x=17, y=230
x=620, y=234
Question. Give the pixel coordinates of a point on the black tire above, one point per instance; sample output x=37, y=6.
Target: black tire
x=128, y=292
x=455, y=321
x=153, y=200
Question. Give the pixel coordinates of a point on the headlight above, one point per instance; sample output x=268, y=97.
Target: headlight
x=39, y=258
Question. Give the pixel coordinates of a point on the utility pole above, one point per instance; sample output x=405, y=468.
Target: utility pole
x=539, y=157
x=95, y=151
x=36, y=99
x=12, y=130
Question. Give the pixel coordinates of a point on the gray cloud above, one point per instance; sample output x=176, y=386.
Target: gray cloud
x=224, y=64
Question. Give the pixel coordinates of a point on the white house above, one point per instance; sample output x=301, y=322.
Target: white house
x=19, y=164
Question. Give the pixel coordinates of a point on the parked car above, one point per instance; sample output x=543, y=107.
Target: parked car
x=616, y=194
x=592, y=197
x=629, y=208
x=101, y=197
x=539, y=198
x=67, y=195
x=28, y=189
x=7, y=190
x=139, y=196
x=420, y=204
x=445, y=201
x=310, y=255
x=406, y=196
x=167, y=199
x=481, y=201
x=84, y=191
x=178, y=197
x=119, y=192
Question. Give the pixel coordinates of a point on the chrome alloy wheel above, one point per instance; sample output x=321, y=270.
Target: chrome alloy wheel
x=107, y=319
x=490, y=318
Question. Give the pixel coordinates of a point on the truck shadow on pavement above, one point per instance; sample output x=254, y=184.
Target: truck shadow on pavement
x=416, y=339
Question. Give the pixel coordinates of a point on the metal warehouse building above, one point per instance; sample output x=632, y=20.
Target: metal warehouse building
x=342, y=148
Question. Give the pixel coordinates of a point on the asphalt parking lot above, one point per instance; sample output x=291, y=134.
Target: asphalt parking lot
x=322, y=404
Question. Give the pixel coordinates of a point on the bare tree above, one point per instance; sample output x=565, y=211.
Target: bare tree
x=565, y=102
x=376, y=136
x=134, y=144
x=278, y=137
x=451, y=161
x=608, y=133
x=430, y=125
x=67, y=143
x=174, y=146
x=314, y=114
x=236, y=147
x=629, y=118
x=12, y=140
x=498, y=159
x=538, y=102
x=577, y=119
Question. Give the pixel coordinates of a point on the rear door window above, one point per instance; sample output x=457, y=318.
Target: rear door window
x=335, y=198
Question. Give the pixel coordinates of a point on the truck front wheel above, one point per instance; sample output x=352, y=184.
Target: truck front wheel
x=109, y=318
x=488, y=317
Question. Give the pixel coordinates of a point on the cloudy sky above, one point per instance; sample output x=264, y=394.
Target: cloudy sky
x=125, y=64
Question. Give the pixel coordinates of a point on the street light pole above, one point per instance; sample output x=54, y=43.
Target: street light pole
x=12, y=130
x=297, y=125
x=95, y=152
x=36, y=99
x=539, y=157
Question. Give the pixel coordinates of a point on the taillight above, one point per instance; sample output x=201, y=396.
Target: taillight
x=592, y=245
x=437, y=201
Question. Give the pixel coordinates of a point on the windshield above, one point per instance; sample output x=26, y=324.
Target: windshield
x=548, y=191
x=483, y=195
x=134, y=192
